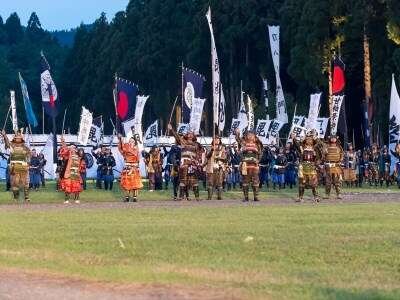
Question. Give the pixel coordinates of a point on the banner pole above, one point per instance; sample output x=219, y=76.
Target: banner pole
x=172, y=112
x=8, y=113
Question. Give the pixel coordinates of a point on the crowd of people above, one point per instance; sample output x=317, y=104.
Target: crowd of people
x=306, y=164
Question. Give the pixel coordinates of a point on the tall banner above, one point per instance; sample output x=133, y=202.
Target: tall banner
x=218, y=97
x=151, y=135
x=30, y=115
x=338, y=89
x=265, y=95
x=48, y=89
x=365, y=125
x=84, y=126
x=196, y=114
x=96, y=131
x=47, y=151
x=250, y=114
x=140, y=103
x=262, y=130
x=394, y=121
x=13, y=111
x=313, y=111
x=192, y=88
x=129, y=127
x=321, y=126
x=242, y=115
x=337, y=101
x=274, y=40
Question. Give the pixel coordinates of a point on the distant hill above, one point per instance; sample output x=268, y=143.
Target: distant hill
x=66, y=37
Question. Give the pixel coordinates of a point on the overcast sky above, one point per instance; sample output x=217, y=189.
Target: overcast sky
x=61, y=14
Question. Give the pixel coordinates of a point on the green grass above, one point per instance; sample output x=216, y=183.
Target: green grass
x=297, y=252
x=49, y=195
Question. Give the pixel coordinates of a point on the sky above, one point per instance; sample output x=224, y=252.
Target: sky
x=61, y=14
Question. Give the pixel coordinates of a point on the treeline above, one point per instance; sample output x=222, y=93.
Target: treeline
x=149, y=41
x=20, y=48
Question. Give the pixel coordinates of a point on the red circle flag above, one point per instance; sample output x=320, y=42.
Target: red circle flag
x=338, y=80
x=122, y=105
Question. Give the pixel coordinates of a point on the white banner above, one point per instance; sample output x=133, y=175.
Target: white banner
x=129, y=127
x=13, y=111
x=394, y=121
x=235, y=125
x=218, y=97
x=196, y=114
x=151, y=135
x=48, y=155
x=84, y=126
x=337, y=101
x=242, y=115
x=262, y=130
x=140, y=103
x=297, y=127
x=250, y=113
x=274, y=40
x=298, y=131
x=273, y=132
x=313, y=111
x=321, y=126
x=265, y=86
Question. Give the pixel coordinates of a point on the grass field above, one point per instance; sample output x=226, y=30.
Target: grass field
x=348, y=251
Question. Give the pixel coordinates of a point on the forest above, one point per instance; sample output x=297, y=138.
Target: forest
x=149, y=41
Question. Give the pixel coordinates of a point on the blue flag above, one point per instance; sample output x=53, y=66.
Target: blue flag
x=30, y=115
x=192, y=88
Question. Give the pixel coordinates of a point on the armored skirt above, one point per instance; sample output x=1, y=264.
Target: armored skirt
x=130, y=178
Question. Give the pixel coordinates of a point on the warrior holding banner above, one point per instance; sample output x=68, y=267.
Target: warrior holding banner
x=131, y=182
x=189, y=164
x=251, y=150
x=216, y=167
x=310, y=153
x=71, y=181
x=19, y=164
x=333, y=157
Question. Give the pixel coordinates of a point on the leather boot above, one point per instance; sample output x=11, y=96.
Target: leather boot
x=255, y=193
x=246, y=193
x=219, y=193
x=210, y=193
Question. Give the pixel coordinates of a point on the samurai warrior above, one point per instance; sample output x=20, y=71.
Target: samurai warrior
x=373, y=165
x=333, y=157
x=310, y=154
x=189, y=164
x=131, y=181
x=350, y=166
x=251, y=150
x=384, y=167
x=292, y=162
x=19, y=164
x=154, y=167
x=71, y=181
x=216, y=167
x=279, y=169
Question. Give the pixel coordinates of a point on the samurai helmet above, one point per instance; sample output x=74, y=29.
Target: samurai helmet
x=18, y=137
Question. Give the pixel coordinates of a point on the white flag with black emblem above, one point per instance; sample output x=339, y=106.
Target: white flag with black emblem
x=321, y=126
x=274, y=39
x=151, y=135
x=250, y=114
x=313, y=111
x=273, y=133
x=337, y=101
x=218, y=94
x=196, y=114
x=85, y=126
x=262, y=130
